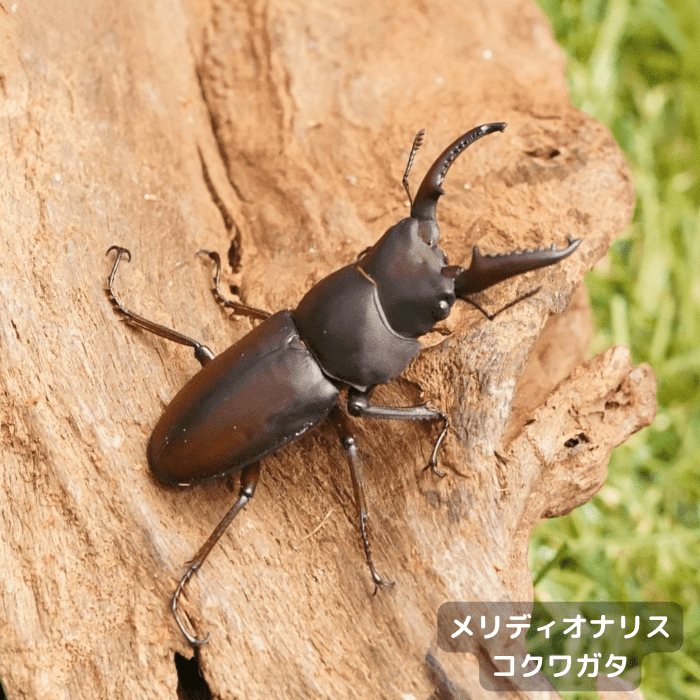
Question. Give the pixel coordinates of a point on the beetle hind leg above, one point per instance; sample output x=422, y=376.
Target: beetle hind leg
x=201, y=352
x=239, y=309
x=342, y=427
x=250, y=476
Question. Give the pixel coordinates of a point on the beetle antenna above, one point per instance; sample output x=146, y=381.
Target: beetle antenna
x=417, y=143
x=430, y=190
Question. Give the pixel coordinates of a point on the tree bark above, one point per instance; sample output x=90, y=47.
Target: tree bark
x=277, y=133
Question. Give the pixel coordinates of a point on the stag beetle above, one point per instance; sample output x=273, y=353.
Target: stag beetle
x=353, y=330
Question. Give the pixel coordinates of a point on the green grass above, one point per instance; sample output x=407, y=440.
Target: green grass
x=635, y=66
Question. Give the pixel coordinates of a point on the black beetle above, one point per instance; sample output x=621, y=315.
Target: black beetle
x=354, y=329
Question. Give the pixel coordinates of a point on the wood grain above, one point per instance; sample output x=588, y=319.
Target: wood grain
x=276, y=133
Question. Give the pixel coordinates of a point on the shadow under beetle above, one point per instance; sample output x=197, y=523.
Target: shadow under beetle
x=354, y=329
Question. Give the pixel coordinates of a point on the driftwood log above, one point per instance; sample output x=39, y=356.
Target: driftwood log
x=276, y=133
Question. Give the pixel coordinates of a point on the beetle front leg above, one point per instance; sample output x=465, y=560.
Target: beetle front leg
x=342, y=427
x=239, y=309
x=250, y=476
x=359, y=405
x=201, y=352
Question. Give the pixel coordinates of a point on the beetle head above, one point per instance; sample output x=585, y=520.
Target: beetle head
x=416, y=286
x=407, y=263
x=413, y=292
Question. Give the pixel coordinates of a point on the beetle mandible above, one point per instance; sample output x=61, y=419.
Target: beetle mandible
x=353, y=330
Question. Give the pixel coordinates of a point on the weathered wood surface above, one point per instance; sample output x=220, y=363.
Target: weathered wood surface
x=303, y=115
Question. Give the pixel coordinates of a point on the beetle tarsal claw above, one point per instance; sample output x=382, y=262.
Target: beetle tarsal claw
x=379, y=582
x=120, y=251
x=434, y=468
x=194, y=641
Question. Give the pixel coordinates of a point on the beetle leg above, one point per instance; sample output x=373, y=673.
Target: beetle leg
x=250, y=476
x=359, y=405
x=239, y=309
x=201, y=352
x=342, y=427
